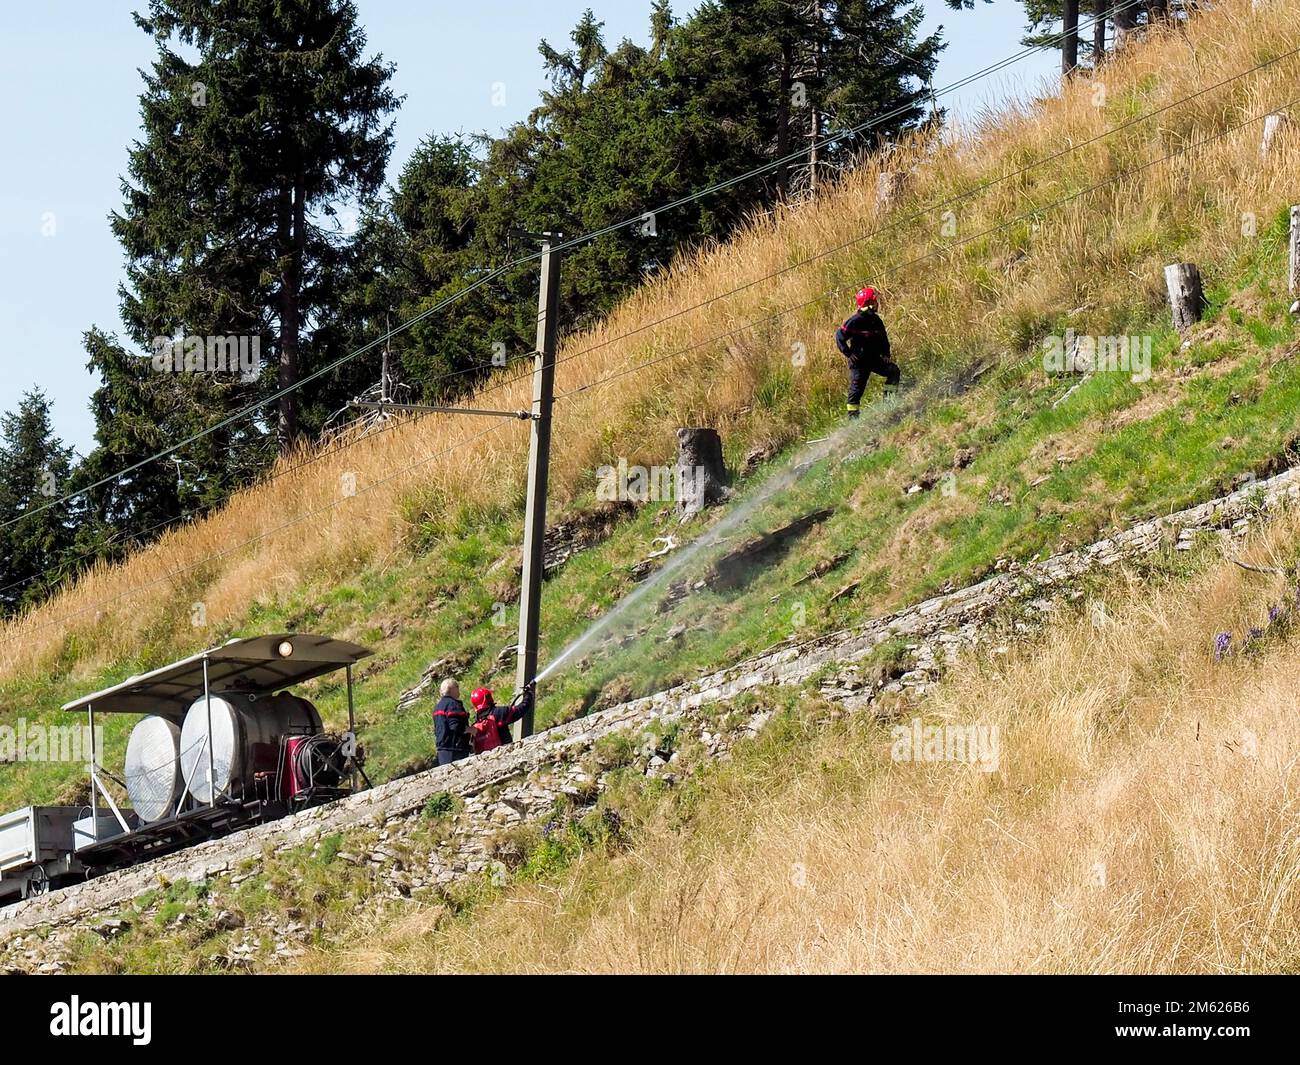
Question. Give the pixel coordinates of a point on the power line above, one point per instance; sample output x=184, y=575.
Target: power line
x=497, y=272
x=202, y=512
x=1061, y=201
x=930, y=208
x=931, y=254
x=171, y=575
x=961, y=196
x=239, y=415
x=189, y=515
x=852, y=131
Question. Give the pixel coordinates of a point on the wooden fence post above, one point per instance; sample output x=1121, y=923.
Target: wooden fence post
x=1274, y=125
x=1293, y=258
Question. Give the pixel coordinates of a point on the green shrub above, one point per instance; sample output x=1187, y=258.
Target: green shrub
x=440, y=804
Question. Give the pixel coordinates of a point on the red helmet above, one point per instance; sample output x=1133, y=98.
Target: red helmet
x=481, y=699
x=867, y=295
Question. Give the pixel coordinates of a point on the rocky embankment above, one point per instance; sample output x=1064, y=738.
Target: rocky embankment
x=521, y=783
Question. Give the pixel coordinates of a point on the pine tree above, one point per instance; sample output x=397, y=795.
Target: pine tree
x=36, y=525
x=136, y=411
x=771, y=77
x=877, y=66
x=261, y=118
x=1055, y=23
x=412, y=250
x=621, y=131
x=605, y=145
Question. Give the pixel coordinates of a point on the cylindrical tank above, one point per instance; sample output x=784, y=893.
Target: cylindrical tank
x=246, y=734
x=153, y=772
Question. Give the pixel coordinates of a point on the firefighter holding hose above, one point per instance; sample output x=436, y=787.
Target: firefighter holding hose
x=863, y=341
x=491, y=727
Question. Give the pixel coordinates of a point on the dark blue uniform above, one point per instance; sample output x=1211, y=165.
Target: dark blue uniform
x=451, y=730
x=863, y=341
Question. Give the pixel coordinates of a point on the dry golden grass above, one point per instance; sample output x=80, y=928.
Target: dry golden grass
x=988, y=296
x=1145, y=817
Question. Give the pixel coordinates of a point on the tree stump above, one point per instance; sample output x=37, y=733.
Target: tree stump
x=1186, y=297
x=1274, y=125
x=701, y=475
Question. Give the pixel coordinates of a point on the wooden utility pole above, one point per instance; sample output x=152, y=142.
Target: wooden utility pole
x=814, y=101
x=539, y=464
x=1293, y=252
x=386, y=367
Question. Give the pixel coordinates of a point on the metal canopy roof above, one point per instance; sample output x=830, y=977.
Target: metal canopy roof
x=252, y=665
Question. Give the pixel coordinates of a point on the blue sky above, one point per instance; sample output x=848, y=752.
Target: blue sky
x=69, y=76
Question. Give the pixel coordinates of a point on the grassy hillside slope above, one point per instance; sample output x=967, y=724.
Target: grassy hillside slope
x=1139, y=817
x=418, y=562
x=1142, y=819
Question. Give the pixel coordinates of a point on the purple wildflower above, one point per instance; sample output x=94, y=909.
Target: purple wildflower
x=1274, y=612
x=1256, y=633
x=1222, y=643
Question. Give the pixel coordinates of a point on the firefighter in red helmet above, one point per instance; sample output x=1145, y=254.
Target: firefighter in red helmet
x=491, y=726
x=863, y=341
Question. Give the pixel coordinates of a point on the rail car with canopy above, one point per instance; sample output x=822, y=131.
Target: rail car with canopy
x=221, y=742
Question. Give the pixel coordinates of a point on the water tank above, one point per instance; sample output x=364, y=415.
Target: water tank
x=153, y=772
x=246, y=734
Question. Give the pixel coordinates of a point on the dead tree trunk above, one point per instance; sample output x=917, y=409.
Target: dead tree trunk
x=701, y=473
x=1186, y=296
x=386, y=369
x=293, y=242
